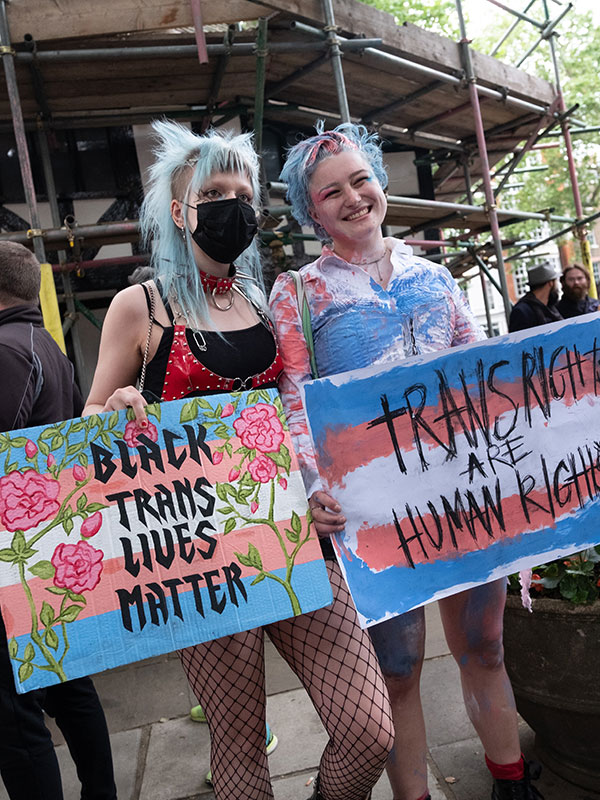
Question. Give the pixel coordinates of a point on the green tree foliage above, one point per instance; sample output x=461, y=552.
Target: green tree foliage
x=578, y=48
x=438, y=16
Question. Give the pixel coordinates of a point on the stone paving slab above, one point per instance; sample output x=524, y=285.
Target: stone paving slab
x=464, y=761
x=176, y=760
x=445, y=715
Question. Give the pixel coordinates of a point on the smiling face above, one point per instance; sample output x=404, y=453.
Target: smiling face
x=347, y=201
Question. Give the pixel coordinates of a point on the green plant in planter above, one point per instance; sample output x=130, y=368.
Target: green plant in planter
x=575, y=578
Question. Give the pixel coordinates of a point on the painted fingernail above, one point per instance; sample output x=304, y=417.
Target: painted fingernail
x=144, y=423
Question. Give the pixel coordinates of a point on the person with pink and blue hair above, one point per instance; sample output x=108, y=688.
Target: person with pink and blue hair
x=201, y=326
x=372, y=301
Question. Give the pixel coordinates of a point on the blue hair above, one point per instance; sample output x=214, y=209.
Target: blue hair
x=303, y=158
x=184, y=162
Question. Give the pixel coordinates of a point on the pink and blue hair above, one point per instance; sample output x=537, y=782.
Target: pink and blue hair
x=303, y=158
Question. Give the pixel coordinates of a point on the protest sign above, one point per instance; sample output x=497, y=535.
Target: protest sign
x=457, y=468
x=119, y=542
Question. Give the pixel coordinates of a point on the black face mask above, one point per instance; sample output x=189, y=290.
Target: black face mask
x=225, y=228
x=553, y=298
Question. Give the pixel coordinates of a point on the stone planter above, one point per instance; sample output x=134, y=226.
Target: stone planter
x=553, y=659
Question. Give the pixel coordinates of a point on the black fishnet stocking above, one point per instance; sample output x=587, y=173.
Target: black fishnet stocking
x=335, y=661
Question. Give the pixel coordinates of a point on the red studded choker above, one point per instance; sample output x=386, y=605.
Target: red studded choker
x=213, y=284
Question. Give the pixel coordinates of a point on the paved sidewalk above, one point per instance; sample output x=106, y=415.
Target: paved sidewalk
x=160, y=754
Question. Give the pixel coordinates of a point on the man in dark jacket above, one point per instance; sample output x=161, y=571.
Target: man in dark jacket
x=538, y=306
x=38, y=389
x=575, y=300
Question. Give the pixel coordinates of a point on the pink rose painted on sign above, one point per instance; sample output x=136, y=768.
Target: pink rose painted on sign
x=26, y=499
x=133, y=430
x=259, y=428
x=91, y=525
x=262, y=469
x=79, y=473
x=30, y=448
x=78, y=566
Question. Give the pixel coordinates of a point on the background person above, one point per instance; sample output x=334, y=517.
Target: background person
x=38, y=389
x=575, y=282
x=538, y=306
x=371, y=302
x=211, y=334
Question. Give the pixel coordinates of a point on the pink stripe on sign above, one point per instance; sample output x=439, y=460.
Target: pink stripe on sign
x=218, y=551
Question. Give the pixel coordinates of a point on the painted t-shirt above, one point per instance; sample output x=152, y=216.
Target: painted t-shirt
x=356, y=323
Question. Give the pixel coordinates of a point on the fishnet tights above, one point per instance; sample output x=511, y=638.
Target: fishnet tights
x=335, y=662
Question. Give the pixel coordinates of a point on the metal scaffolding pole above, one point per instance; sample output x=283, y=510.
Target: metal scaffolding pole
x=510, y=30
x=186, y=50
x=546, y=32
x=486, y=302
x=336, y=60
x=261, y=71
x=19, y=128
x=581, y=231
x=574, y=227
x=417, y=202
x=485, y=167
x=455, y=78
x=70, y=322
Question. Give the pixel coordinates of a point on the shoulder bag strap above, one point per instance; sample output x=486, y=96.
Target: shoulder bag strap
x=304, y=311
x=148, y=287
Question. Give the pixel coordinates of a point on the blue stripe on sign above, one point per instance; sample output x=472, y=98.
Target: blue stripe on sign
x=102, y=642
x=377, y=593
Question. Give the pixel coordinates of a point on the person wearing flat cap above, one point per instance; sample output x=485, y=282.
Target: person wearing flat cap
x=538, y=306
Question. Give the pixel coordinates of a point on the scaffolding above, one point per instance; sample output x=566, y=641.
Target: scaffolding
x=514, y=125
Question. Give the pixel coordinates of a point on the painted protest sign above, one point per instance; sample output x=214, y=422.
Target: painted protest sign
x=118, y=543
x=457, y=468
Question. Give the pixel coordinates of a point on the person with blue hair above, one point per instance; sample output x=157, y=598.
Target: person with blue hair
x=202, y=326
x=372, y=301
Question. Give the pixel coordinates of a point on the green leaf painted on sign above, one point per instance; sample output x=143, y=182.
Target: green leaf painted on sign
x=70, y=613
x=47, y=614
x=230, y=525
x=43, y=569
x=254, y=556
x=292, y=536
x=51, y=639
x=29, y=653
x=296, y=523
x=13, y=647
x=189, y=412
x=154, y=411
x=25, y=672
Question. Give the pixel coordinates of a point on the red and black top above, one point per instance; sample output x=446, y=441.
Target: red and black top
x=190, y=362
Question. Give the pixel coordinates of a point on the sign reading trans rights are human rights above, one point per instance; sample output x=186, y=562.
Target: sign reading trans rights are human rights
x=457, y=468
